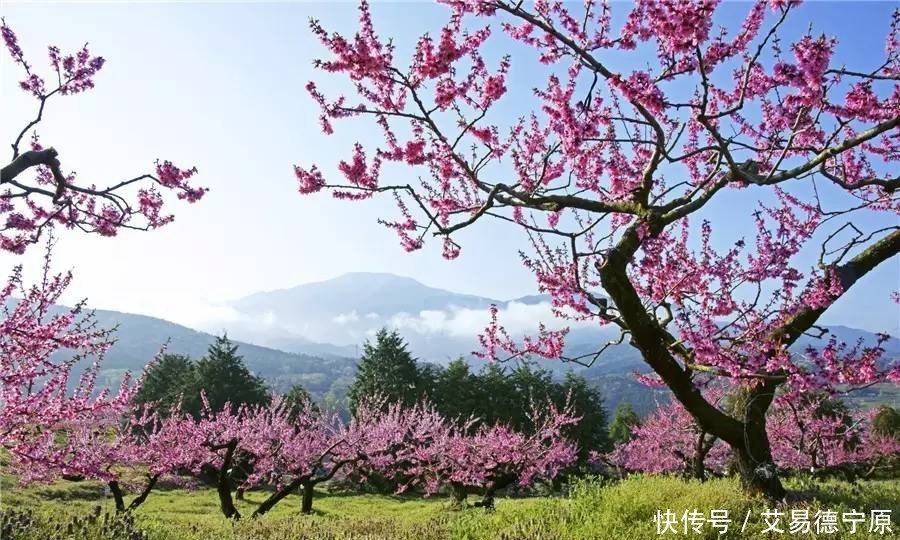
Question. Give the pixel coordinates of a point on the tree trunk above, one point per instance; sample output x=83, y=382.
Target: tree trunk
x=759, y=475
x=239, y=494
x=699, y=469
x=501, y=482
x=307, y=501
x=223, y=485
x=458, y=495
x=487, y=502
x=276, y=497
x=701, y=450
x=142, y=496
x=117, y=495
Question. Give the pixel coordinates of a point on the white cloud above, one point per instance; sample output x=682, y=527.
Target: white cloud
x=213, y=317
x=517, y=318
x=345, y=318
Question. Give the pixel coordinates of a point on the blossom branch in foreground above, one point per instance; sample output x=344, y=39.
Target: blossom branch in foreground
x=613, y=175
x=54, y=197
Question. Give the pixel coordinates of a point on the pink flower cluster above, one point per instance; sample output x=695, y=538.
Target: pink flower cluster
x=53, y=197
x=53, y=421
x=813, y=432
x=668, y=441
x=807, y=432
x=471, y=458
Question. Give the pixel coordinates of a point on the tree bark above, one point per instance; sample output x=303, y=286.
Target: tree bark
x=31, y=158
x=487, y=501
x=223, y=485
x=276, y=497
x=117, y=495
x=701, y=450
x=142, y=496
x=239, y=494
x=759, y=475
x=458, y=494
x=306, y=503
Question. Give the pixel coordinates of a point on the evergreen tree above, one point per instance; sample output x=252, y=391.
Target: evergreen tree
x=386, y=369
x=530, y=384
x=498, y=397
x=624, y=418
x=457, y=395
x=887, y=421
x=225, y=378
x=427, y=377
x=590, y=433
x=296, y=398
x=166, y=381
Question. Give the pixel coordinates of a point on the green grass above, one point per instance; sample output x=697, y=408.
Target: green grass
x=593, y=510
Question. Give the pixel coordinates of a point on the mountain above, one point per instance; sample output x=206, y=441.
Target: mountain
x=439, y=325
x=310, y=334
x=850, y=336
x=139, y=338
x=344, y=311
x=360, y=292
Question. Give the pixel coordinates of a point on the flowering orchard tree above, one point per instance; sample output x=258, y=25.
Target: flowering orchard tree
x=613, y=174
x=671, y=441
x=808, y=432
x=159, y=446
x=52, y=425
x=215, y=439
x=54, y=196
x=297, y=447
x=287, y=445
x=55, y=426
x=401, y=442
x=485, y=460
x=819, y=434
x=39, y=400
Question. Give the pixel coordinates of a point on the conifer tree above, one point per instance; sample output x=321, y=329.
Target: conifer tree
x=624, y=418
x=225, y=378
x=386, y=369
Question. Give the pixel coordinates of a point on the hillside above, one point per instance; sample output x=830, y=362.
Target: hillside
x=439, y=325
x=139, y=338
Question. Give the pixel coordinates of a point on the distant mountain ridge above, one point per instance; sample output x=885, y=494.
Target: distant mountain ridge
x=439, y=324
x=139, y=338
x=311, y=334
x=364, y=292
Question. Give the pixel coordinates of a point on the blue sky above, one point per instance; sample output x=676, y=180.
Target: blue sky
x=221, y=86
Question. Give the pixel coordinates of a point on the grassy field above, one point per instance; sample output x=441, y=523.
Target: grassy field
x=592, y=510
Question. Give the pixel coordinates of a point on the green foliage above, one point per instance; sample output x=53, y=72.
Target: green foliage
x=386, y=369
x=499, y=399
x=498, y=395
x=98, y=525
x=427, y=375
x=166, y=381
x=457, y=393
x=225, y=378
x=887, y=421
x=296, y=398
x=591, y=431
x=624, y=418
x=222, y=374
x=594, y=509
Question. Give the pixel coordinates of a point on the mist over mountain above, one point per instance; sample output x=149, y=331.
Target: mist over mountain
x=311, y=334
x=440, y=325
x=346, y=310
x=140, y=338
